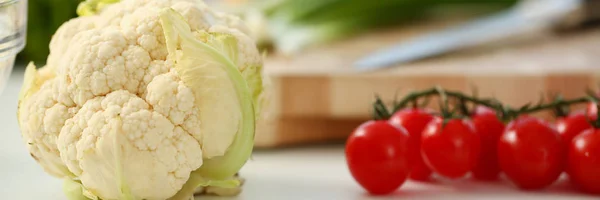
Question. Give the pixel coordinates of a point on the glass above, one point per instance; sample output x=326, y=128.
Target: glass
x=13, y=28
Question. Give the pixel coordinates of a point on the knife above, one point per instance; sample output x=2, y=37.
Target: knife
x=528, y=15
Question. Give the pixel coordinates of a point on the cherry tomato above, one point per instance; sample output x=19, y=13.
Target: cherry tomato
x=530, y=153
x=450, y=149
x=572, y=125
x=414, y=120
x=519, y=120
x=377, y=156
x=584, y=161
x=489, y=128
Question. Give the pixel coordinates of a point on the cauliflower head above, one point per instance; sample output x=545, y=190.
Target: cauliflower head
x=144, y=99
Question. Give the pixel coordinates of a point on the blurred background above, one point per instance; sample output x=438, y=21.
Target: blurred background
x=284, y=25
x=326, y=59
x=44, y=18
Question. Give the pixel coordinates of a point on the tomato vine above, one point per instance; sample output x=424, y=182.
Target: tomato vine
x=505, y=112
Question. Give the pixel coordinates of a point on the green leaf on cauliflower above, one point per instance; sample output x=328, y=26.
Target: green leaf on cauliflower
x=252, y=75
x=74, y=190
x=29, y=85
x=125, y=192
x=225, y=101
x=91, y=7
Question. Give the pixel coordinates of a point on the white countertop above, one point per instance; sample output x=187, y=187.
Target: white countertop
x=296, y=174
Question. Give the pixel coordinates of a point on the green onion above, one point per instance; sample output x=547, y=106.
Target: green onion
x=294, y=25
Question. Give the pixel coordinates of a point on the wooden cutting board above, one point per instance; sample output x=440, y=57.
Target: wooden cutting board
x=317, y=97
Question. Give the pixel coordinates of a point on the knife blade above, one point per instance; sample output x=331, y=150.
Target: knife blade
x=529, y=15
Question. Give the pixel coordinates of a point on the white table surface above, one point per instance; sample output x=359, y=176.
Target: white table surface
x=297, y=174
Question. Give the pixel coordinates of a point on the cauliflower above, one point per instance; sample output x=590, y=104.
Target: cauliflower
x=144, y=99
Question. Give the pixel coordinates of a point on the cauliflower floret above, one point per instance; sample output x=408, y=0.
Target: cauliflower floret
x=110, y=110
x=119, y=139
x=41, y=119
x=170, y=97
x=62, y=38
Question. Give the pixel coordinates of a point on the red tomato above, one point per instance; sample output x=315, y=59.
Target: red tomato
x=572, y=125
x=530, y=153
x=489, y=128
x=519, y=120
x=415, y=121
x=450, y=150
x=377, y=156
x=584, y=161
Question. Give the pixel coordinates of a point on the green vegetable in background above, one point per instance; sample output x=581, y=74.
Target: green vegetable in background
x=44, y=17
x=292, y=25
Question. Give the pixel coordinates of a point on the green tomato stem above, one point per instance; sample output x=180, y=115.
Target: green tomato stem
x=506, y=113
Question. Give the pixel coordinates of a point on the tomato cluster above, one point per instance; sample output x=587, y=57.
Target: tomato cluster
x=532, y=153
